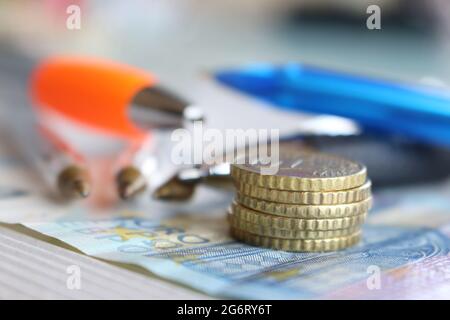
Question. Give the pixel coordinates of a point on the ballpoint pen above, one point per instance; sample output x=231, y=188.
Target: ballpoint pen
x=73, y=180
x=59, y=165
x=93, y=92
x=415, y=111
x=131, y=177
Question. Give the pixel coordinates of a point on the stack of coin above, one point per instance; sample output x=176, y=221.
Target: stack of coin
x=314, y=202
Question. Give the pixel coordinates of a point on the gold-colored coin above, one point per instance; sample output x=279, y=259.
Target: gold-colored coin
x=268, y=220
x=304, y=197
x=289, y=234
x=302, y=171
x=305, y=211
x=308, y=245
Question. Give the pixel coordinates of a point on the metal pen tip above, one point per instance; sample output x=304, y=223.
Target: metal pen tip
x=81, y=188
x=73, y=183
x=175, y=189
x=130, y=182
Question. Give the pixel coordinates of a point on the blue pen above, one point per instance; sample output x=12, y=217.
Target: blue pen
x=418, y=112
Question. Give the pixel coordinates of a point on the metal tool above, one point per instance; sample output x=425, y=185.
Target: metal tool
x=421, y=113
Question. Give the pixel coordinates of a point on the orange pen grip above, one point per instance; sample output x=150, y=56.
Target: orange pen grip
x=92, y=91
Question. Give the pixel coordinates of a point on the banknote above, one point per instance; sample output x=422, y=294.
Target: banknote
x=195, y=250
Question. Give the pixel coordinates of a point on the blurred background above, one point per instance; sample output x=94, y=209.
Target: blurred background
x=177, y=38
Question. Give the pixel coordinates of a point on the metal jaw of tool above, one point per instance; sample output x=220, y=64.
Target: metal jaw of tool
x=409, y=162
x=158, y=110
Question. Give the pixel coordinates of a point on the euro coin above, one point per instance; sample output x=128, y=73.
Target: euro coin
x=289, y=234
x=305, y=211
x=302, y=171
x=304, y=197
x=268, y=220
x=307, y=245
